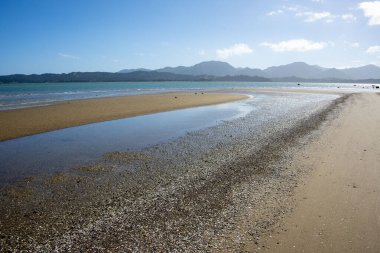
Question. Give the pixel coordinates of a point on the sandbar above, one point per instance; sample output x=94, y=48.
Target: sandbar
x=27, y=121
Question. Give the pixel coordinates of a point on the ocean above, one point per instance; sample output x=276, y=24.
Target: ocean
x=28, y=94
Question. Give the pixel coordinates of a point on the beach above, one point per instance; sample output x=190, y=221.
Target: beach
x=263, y=181
x=190, y=126
x=27, y=121
x=337, y=205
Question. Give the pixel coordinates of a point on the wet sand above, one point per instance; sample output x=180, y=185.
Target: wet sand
x=27, y=121
x=187, y=195
x=338, y=204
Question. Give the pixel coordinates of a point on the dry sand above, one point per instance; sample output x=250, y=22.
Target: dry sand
x=338, y=205
x=28, y=121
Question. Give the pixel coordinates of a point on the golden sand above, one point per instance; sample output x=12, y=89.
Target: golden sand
x=28, y=121
x=338, y=204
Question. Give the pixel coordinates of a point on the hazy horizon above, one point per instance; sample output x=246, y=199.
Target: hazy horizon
x=61, y=37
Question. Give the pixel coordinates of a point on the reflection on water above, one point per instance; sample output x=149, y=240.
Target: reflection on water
x=56, y=150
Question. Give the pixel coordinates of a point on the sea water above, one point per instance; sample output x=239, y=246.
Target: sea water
x=25, y=95
x=57, y=150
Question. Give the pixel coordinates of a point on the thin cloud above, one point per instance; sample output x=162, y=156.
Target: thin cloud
x=331, y=43
x=68, y=56
x=311, y=16
x=275, y=12
x=294, y=8
x=316, y=16
x=348, y=18
x=372, y=11
x=296, y=45
x=373, y=50
x=235, y=50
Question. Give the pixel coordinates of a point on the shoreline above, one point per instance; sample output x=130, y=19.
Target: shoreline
x=336, y=207
x=33, y=120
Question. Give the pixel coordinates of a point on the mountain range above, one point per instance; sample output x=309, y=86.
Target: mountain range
x=132, y=76
x=297, y=69
x=213, y=71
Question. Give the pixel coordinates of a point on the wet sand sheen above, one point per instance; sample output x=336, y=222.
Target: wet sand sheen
x=28, y=121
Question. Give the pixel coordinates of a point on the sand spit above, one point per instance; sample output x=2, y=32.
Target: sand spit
x=28, y=121
x=212, y=190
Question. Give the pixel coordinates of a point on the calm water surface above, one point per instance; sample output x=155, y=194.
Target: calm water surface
x=57, y=150
x=26, y=95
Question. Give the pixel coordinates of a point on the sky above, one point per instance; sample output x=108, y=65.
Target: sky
x=55, y=36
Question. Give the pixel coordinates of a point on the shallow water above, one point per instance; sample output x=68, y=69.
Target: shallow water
x=57, y=150
x=62, y=149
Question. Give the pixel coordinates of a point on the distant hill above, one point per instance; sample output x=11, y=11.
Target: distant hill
x=137, y=76
x=365, y=72
x=296, y=69
x=303, y=70
x=249, y=72
x=95, y=77
x=213, y=68
x=213, y=71
x=133, y=70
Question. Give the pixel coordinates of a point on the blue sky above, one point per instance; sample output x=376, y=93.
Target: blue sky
x=39, y=36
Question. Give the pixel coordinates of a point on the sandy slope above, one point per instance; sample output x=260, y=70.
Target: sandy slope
x=338, y=206
x=27, y=121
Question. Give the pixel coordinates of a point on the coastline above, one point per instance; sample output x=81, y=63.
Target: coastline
x=336, y=206
x=27, y=121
